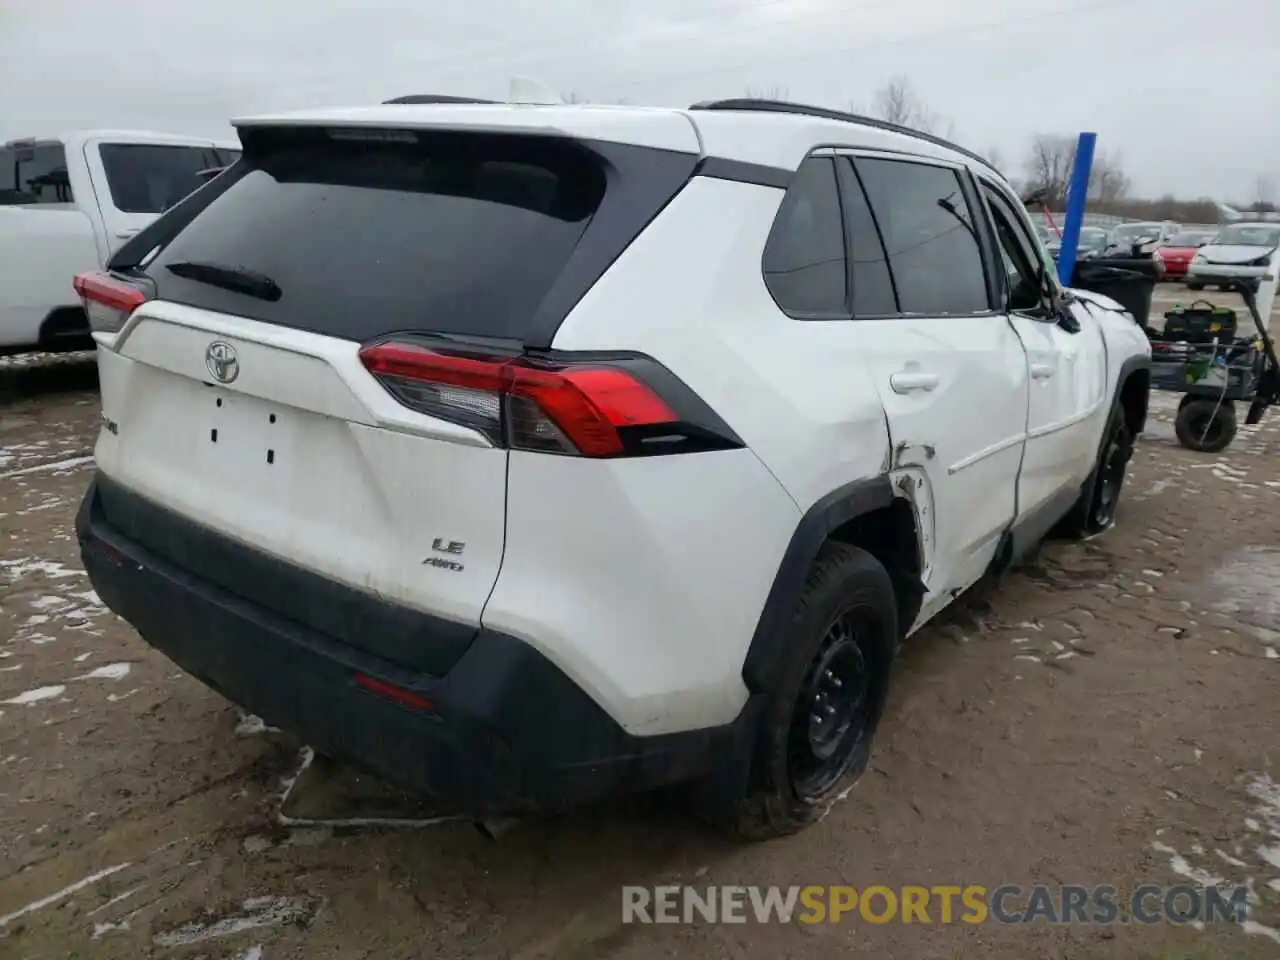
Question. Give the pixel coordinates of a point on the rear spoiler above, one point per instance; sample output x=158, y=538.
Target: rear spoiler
x=435, y=98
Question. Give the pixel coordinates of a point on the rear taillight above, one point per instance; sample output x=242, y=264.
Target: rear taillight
x=107, y=299
x=592, y=409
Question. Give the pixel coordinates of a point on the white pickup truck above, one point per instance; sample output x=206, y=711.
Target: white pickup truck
x=66, y=204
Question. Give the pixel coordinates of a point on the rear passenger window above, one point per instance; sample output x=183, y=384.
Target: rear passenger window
x=873, y=294
x=151, y=178
x=31, y=174
x=804, y=260
x=929, y=234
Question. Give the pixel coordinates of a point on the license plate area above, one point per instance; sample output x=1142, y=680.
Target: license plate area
x=246, y=439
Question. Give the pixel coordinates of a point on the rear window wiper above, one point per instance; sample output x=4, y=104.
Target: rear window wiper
x=237, y=279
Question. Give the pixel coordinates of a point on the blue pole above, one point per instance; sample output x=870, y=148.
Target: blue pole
x=1077, y=194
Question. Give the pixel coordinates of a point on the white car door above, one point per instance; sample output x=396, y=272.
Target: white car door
x=950, y=371
x=1067, y=363
x=136, y=180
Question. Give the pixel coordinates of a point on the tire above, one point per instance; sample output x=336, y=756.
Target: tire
x=1095, y=511
x=843, y=633
x=1204, y=425
x=1192, y=285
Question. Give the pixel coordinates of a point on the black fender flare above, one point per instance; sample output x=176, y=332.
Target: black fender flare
x=1130, y=366
x=827, y=514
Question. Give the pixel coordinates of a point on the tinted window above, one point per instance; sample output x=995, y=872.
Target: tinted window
x=804, y=261
x=149, y=178
x=447, y=232
x=34, y=174
x=929, y=233
x=872, y=284
x=1022, y=283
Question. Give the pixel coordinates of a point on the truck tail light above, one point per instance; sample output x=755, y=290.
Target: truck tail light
x=589, y=409
x=108, y=300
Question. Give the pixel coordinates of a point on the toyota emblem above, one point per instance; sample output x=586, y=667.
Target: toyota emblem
x=221, y=360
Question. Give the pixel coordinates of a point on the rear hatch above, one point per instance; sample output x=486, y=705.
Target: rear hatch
x=239, y=397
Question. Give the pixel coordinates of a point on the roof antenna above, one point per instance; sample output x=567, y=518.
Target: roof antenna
x=529, y=91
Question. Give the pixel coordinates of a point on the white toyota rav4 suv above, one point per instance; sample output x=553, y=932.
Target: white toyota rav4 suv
x=531, y=454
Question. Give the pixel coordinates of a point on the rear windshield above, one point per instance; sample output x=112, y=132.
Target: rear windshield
x=151, y=178
x=447, y=232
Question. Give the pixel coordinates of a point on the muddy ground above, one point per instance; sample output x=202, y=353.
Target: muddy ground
x=1106, y=715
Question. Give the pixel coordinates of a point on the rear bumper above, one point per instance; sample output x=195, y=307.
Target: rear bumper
x=505, y=731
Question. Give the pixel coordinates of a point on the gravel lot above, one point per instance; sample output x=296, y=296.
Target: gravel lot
x=1105, y=715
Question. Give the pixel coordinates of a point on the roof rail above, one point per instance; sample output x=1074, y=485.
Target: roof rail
x=435, y=98
x=800, y=109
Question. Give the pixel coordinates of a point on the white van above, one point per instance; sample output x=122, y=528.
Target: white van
x=66, y=204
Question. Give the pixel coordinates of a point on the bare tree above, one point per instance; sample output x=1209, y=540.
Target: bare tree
x=898, y=102
x=995, y=157
x=1264, y=194
x=768, y=93
x=1049, y=165
x=573, y=96
x=1108, y=183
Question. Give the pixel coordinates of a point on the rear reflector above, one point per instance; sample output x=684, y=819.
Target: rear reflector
x=576, y=409
x=107, y=299
x=392, y=692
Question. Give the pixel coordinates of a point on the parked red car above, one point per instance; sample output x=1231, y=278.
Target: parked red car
x=1178, y=252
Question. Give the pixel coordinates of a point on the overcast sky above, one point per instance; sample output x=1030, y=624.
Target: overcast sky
x=1186, y=90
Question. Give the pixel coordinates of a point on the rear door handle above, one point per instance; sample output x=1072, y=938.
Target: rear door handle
x=126, y=234
x=911, y=380
x=1042, y=371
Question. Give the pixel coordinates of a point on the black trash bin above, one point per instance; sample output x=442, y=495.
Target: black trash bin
x=1129, y=281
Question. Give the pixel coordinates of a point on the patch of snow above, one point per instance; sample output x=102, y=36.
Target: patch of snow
x=1179, y=865
x=1255, y=929
x=1227, y=858
x=70, y=463
x=111, y=671
x=61, y=894
x=309, y=837
x=101, y=929
x=36, y=695
x=255, y=913
x=250, y=726
x=117, y=697
x=1271, y=855
x=29, y=566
